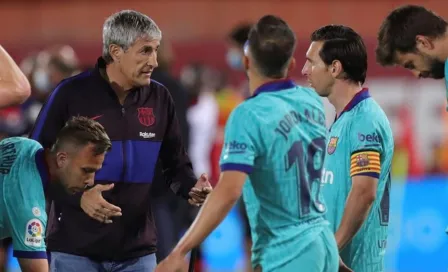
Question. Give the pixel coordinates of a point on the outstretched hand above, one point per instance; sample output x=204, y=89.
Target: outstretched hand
x=94, y=205
x=199, y=192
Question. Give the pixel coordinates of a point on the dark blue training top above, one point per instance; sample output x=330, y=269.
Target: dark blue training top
x=143, y=130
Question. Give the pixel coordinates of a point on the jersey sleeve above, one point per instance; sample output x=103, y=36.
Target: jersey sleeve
x=366, y=147
x=27, y=219
x=239, y=150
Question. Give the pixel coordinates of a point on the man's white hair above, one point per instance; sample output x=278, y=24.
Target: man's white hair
x=124, y=28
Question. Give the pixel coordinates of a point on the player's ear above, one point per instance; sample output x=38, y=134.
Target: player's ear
x=115, y=52
x=292, y=64
x=423, y=43
x=336, y=69
x=246, y=62
x=61, y=159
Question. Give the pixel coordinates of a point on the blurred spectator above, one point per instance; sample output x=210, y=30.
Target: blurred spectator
x=230, y=96
x=171, y=214
x=202, y=114
x=201, y=83
x=45, y=70
x=53, y=65
x=237, y=38
x=162, y=74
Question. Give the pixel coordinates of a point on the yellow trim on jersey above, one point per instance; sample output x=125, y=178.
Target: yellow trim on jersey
x=365, y=162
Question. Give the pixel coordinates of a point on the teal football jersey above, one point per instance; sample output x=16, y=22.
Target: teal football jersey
x=22, y=200
x=278, y=138
x=360, y=143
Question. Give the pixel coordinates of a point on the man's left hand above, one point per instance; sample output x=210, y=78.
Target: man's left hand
x=199, y=192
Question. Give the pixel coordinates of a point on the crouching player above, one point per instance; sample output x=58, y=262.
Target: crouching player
x=26, y=170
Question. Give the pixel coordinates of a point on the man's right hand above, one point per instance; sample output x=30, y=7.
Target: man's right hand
x=94, y=205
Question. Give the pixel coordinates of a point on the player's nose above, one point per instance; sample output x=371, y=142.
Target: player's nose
x=305, y=70
x=89, y=182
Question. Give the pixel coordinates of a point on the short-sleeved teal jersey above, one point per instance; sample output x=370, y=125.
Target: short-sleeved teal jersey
x=360, y=143
x=278, y=138
x=23, y=175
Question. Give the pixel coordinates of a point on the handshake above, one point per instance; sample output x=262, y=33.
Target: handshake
x=94, y=205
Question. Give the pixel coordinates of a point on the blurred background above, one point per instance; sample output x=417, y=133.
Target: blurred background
x=200, y=63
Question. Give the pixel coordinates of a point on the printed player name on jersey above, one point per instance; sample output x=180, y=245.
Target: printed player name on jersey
x=7, y=158
x=365, y=163
x=294, y=118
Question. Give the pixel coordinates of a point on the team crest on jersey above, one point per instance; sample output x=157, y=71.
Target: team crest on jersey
x=146, y=116
x=362, y=160
x=33, y=233
x=332, y=145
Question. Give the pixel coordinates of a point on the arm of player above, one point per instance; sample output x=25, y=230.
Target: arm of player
x=357, y=207
x=365, y=169
x=14, y=86
x=33, y=265
x=216, y=207
x=28, y=223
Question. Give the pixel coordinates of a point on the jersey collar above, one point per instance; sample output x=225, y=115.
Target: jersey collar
x=358, y=98
x=42, y=167
x=275, y=85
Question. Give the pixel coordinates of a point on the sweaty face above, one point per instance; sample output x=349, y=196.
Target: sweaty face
x=139, y=61
x=316, y=71
x=78, y=170
x=421, y=65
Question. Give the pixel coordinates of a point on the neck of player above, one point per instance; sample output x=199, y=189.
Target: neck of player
x=256, y=81
x=342, y=93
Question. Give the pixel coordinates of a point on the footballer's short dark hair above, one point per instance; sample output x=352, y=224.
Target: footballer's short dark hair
x=345, y=45
x=272, y=44
x=398, y=31
x=80, y=131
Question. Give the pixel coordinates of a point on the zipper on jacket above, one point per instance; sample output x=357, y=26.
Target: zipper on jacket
x=123, y=141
